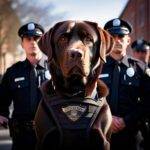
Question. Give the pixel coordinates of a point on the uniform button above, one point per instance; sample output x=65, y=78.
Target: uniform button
x=19, y=86
x=146, y=123
x=130, y=83
x=138, y=99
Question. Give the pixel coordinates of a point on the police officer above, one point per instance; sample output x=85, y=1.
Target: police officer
x=126, y=82
x=141, y=51
x=20, y=85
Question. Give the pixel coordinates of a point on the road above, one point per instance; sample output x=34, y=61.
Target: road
x=5, y=141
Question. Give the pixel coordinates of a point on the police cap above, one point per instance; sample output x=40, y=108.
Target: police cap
x=140, y=45
x=31, y=29
x=118, y=27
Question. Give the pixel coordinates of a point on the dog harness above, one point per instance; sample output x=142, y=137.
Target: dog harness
x=68, y=121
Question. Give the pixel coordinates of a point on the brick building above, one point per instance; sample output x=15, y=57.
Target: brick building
x=137, y=12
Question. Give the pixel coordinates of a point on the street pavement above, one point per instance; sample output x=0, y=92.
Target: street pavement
x=5, y=140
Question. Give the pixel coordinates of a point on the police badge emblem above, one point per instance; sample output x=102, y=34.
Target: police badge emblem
x=47, y=75
x=116, y=22
x=74, y=112
x=147, y=71
x=31, y=26
x=130, y=72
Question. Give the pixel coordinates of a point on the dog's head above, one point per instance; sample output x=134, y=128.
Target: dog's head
x=76, y=50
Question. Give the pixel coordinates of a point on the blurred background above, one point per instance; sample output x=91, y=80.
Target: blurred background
x=14, y=13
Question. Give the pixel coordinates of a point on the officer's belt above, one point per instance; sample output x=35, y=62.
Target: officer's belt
x=21, y=123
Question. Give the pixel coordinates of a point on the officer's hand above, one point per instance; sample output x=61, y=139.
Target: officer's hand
x=117, y=124
x=3, y=121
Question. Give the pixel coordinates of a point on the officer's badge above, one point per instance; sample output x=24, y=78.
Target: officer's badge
x=47, y=75
x=31, y=26
x=139, y=41
x=103, y=75
x=19, y=79
x=116, y=22
x=147, y=71
x=74, y=112
x=130, y=72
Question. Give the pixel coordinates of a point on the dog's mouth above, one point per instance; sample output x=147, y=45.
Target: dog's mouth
x=76, y=71
x=75, y=82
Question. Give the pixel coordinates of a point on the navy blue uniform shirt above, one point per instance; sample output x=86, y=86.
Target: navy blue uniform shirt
x=16, y=85
x=133, y=89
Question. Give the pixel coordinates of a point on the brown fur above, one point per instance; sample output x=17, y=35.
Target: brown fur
x=54, y=43
x=76, y=51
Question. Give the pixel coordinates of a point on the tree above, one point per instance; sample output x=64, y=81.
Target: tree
x=36, y=10
x=14, y=13
x=9, y=22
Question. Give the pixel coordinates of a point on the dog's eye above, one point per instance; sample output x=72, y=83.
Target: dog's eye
x=88, y=39
x=63, y=38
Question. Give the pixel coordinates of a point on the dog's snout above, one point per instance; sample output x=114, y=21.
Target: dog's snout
x=75, y=54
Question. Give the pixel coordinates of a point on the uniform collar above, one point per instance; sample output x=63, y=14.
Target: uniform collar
x=110, y=60
x=41, y=63
x=26, y=63
x=124, y=60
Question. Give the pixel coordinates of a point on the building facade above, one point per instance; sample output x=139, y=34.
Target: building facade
x=137, y=12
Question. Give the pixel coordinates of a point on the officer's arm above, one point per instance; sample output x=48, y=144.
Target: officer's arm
x=145, y=98
x=145, y=89
x=5, y=95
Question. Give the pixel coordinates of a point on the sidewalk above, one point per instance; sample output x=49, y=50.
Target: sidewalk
x=5, y=140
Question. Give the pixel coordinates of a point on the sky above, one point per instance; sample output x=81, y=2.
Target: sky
x=99, y=11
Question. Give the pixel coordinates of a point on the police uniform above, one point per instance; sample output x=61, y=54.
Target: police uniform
x=143, y=46
x=20, y=85
x=126, y=82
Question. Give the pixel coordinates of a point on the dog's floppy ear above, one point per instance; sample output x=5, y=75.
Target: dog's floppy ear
x=107, y=43
x=45, y=43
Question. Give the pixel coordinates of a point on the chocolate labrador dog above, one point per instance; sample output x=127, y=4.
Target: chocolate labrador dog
x=73, y=113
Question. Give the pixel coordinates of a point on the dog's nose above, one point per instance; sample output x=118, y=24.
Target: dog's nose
x=75, y=54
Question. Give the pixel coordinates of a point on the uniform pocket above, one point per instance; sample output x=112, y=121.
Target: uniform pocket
x=106, y=78
x=133, y=81
x=19, y=84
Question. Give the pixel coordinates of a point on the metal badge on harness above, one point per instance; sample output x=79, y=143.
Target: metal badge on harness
x=74, y=112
